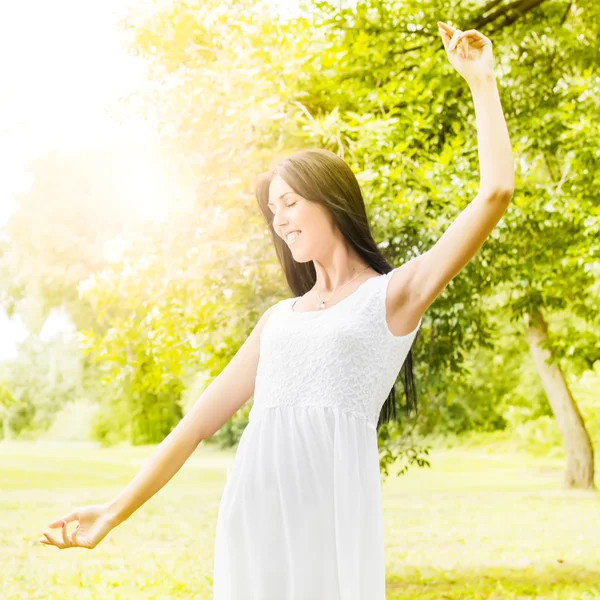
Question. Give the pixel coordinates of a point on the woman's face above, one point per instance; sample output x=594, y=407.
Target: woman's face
x=293, y=213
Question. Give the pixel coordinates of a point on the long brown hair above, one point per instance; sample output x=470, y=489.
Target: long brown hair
x=323, y=177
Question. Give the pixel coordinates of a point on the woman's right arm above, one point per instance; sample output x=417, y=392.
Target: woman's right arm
x=217, y=404
x=225, y=395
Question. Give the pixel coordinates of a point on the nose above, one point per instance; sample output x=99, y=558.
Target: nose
x=278, y=224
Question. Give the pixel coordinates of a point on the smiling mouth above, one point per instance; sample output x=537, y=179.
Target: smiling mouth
x=292, y=237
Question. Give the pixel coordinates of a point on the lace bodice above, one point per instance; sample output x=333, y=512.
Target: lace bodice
x=344, y=357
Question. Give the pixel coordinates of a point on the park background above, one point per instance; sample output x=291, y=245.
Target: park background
x=134, y=262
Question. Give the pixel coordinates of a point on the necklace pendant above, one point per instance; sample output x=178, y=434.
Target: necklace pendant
x=320, y=305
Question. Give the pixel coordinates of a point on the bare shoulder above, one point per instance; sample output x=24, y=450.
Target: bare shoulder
x=253, y=340
x=254, y=337
x=234, y=385
x=403, y=309
x=264, y=318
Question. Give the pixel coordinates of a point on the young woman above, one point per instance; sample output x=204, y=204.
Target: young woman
x=300, y=515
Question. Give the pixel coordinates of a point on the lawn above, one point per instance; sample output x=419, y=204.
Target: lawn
x=477, y=524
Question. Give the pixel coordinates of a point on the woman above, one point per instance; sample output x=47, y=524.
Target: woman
x=300, y=515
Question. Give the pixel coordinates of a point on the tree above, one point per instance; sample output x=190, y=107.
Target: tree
x=372, y=84
x=404, y=119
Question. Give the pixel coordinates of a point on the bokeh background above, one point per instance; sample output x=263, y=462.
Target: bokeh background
x=134, y=262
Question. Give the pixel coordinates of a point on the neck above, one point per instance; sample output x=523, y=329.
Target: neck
x=355, y=272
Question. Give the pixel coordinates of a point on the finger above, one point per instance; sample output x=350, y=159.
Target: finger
x=72, y=516
x=473, y=33
x=74, y=536
x=446, y=31
x=65, y=534
x=454, y=40
x=447, y=28
x=476, y=39
x=445, y=37
x=51, y=540
x=465, y=47
x=46, y=542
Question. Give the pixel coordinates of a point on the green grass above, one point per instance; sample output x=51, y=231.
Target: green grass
x=481, y=523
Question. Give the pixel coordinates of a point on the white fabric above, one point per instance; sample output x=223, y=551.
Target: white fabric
x=300, y=516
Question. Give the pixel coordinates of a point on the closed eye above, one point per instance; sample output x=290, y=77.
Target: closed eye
x=289, y=205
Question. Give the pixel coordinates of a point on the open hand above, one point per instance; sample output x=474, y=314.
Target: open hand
x=469, y=52
x=94, y=524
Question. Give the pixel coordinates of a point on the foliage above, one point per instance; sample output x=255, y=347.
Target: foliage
x=404, y=120
x=46, y=375
x=399, y=449
x=55, y=238
x=72, y=423
x=374, y=85
x=233, y=88
x=6, y=398
x=186, y=315
x=230, y=433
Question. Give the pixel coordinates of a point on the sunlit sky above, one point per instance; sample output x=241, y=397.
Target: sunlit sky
x=64, y=69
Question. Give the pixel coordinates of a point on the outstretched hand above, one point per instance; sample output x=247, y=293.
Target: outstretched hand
x=469, y=52
x=93, y=526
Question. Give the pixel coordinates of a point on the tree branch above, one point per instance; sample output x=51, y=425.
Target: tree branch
x=512, y=11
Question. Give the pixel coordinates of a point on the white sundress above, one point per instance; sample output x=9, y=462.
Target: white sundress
x=300, y=517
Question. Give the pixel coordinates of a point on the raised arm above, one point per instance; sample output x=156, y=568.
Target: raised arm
x=416, y=285
x=215, y=406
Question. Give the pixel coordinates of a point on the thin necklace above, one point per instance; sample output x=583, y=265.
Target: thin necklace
x=321, y=303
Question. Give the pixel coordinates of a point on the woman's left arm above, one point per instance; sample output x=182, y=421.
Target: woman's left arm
x=429, y=273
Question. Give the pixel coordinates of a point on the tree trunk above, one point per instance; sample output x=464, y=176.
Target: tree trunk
x=580, y=453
